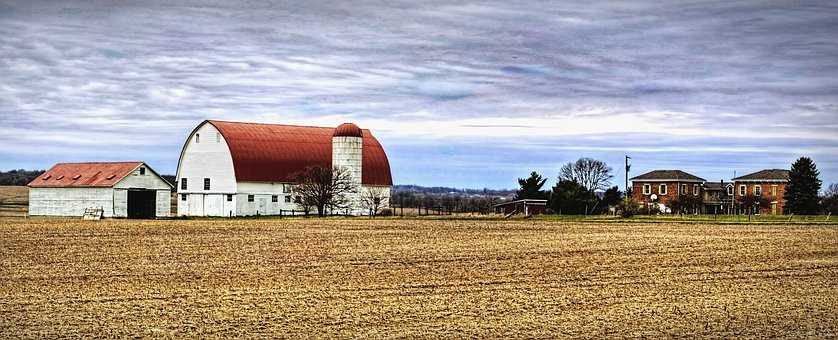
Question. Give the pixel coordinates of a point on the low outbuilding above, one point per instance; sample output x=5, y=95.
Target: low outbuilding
x=117, y=189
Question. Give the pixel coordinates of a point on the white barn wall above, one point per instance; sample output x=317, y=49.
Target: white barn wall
x=208, y=158
x=147, y=181
x=70, y=201
x=262, y=200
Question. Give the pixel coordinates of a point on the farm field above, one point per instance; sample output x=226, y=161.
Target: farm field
x=14, y=200
x=415, y=278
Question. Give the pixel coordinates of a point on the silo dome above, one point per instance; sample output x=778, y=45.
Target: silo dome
x=348, y=130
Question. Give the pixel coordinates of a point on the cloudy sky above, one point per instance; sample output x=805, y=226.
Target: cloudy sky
x=460, y=94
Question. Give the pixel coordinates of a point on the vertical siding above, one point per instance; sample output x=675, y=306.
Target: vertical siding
x=209, y=158
x=70, y=201
x=164, y=203
x=120, y=202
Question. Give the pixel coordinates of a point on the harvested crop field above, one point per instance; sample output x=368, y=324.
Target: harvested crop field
x=415, y=278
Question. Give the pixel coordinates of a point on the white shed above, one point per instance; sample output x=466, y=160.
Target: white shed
x=120, y=189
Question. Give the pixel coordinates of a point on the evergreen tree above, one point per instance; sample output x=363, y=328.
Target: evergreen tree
x=531, y=187
x=572, y=198
x=802, y=191
x=611, y=197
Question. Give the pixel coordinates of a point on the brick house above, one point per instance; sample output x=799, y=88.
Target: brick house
x=662, y=186
x=718, y=197
x=769, y=183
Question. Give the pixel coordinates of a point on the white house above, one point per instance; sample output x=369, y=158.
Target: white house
x=243, y=169
x=120, y=189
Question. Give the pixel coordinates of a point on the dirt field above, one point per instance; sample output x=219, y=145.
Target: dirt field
x=14, y=200
x=408, y=278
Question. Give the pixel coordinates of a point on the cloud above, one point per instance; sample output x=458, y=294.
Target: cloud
x=759, y=75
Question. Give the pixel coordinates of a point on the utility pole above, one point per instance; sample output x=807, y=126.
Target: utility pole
x=628, y=166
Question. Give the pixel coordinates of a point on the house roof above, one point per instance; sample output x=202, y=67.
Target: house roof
x=766, y=175
x=275, y=153
x=668, y=175
x=93, y=174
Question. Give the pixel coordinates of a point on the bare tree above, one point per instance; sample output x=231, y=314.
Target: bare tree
x=374, y=199
x=325, y=189
x=591, y=173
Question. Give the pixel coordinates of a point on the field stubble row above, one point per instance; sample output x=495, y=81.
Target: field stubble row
x=308, y=277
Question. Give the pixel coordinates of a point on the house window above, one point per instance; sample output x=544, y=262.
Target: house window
x=730, y=190
x=183, y=197
x=197, y=138
x=647, y=189
x=206, y=183
x=773, y=191
x=683, y=189
x=183, y=184
x=695, y=189
x=142, y=171
x=742, y=190
x=274, y=198
x=757, y=190
x=250, y=198
x=287, y=199
x=662, y=189
x=229, y=198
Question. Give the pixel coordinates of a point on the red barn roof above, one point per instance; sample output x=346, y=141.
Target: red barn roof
x=275, y=153
x=94, y=174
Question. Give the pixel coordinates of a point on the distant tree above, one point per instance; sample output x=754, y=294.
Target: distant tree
x=611, y=197
x=530, y=188
x=802, y=191
x=373, y=199
x=753, y=204
x=171, y=179
x=686, y=203
x=324, y=189
x=572, y=198
x=829, y=202
x=19, y=177
x=590, y=173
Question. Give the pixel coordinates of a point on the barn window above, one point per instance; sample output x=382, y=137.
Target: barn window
x=197, y=138
x=695, y=189
x=183, y=197
x=250, y=198
x=60, y=178
x=285, y=188
x=206, y=183
x=229, y=198
x=757, y=190
x=742, y=190
x=287, y=199
x=183, y=183
x=662, y=189
x=683, y=189
x=76, y=177
x=774, y=190
x=142, y=171
x=218, y=137
x=274, y=198
x=647, y=189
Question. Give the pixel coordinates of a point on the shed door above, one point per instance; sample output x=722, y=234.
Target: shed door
x=141, y=203
x=263, y=206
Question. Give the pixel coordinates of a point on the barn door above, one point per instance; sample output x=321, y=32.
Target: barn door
x=263, y=206
x=142, y=203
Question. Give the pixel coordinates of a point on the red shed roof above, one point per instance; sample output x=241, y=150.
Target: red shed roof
x=275, y=153
x=94, y=174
